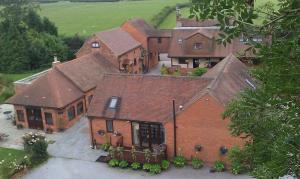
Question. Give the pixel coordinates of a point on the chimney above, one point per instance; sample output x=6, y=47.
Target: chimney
x=55, y=61
x=178, y=14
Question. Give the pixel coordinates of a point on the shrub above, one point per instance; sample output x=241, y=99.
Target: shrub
x=239, y=161
x=133, y=153
x=165, y=164
x=155, y=169
x=219, y=166
x=120, y=152
x=146, y=166
x=147, y=155
x=135, y=165
x=113, y=163
x=105, y=146
x=19, y=126
x=197, y=163
x=123, y=164
x=36, y=146
x=199, y=71
x=112, y=151
x=179, y=161
x=163, y=70
x=177, y=73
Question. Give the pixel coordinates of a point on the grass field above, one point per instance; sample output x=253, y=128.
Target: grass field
x=8, y=155
x=86, y=18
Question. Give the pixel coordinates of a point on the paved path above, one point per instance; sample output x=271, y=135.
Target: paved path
x=163, y=60
x=59, y=168
x=74, y=143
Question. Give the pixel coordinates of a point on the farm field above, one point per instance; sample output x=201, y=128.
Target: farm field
x=86, y=18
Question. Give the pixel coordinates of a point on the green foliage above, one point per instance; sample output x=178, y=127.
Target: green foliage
x=147, y=154
x=269, y=115
x=155, y=169
x=113, y=163
x=105, y=146
x=120, y=151
x=179, y=161
x=176, y=73
x=35, y=145
x=199, y=71
x=163, y=70
x=123, y=164
x=239, y=159
x=133, y=153
x=197, y=163
x=219, y=166
x=112, y=151
x=146, y=166
x=165, y=164
x=135, y=166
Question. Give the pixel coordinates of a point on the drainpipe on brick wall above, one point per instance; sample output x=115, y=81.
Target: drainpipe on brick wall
x=92, y=135
x=174, y=122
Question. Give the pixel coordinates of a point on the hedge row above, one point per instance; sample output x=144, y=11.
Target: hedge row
x=162, y=15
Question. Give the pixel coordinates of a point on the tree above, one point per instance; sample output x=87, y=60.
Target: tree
x=268, y=116
x=27, y=41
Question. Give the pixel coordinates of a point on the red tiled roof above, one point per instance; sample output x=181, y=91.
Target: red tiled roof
x=144, y=97
x=51, y=90
x=194, y=23
x=118, y=40
x=85, y=72
x=178, y=50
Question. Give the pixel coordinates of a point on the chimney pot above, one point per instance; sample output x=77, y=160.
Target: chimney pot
x=55, y=61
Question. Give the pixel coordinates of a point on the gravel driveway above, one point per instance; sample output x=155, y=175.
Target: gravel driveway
x=60, y=168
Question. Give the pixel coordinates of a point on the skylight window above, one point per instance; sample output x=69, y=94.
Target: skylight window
x=250, y=84
x=113, y=102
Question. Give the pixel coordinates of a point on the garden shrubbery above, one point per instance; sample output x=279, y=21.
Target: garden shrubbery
x=199, y=71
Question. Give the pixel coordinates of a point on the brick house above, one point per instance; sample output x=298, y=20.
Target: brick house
x=59, y=97
x=119, y=47
x=153, y=41
x=139, y=110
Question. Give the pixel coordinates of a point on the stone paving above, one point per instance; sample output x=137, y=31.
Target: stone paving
x=163, y=60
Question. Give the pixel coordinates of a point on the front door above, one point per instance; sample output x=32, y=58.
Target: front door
x=34, y=117
x=196, y=63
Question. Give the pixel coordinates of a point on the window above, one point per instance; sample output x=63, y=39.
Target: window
x=134, y=62
x=95, y=45
x=90, y=98
x=181, y=61
x=109, y=126
x=71, y=113
x=48, y=118
x=20, y=115
x=113, y=102
x=79, y=108
x=159, y=40
x=179, y=41
x=198, y=46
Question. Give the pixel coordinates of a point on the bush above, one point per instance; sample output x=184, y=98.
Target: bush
x=219, y=166
x=105, y=146
x=176, y=73
x=113, y=163
x=146, y=166
x=165, y=164
x=197, y=163
x=179, y=161
x=239, y=161
x=123, y=164
x=135, y=165
x=163, y=70
x=155, y=169
x=19, y=126
x=199, y=71
x=36, y=146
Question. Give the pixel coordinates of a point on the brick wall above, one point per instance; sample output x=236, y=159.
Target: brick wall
x=201, y=124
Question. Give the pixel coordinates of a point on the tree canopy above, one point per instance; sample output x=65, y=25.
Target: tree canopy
x=27, y=41
x=268, y=116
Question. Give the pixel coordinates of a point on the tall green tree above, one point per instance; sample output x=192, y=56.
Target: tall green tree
x=268, y=116
x=27, y=41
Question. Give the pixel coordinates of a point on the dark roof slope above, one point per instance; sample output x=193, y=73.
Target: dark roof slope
x=51, y=90
x=230, y=77
x=85, y=72
x=118, y=40
x=144, y=97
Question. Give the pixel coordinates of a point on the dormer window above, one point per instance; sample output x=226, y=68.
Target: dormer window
x=95, y=45
x=198, y=46
x=113, y=102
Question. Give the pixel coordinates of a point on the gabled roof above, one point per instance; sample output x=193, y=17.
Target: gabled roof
x=194, y=23
x=142, y=26
x=85, y=72
x=51, y=90
x=230, y=77
x=206, y=33
x=143, y=97
x=118, y=41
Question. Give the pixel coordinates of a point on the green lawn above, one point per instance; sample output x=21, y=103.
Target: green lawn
x=86, y=18
x=9, y=155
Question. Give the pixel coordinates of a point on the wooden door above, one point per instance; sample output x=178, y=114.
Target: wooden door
x=34, y=117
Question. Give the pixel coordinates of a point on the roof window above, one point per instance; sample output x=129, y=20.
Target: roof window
x=113, y=102
x=95, y=45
